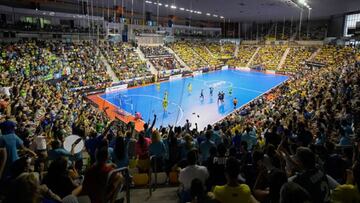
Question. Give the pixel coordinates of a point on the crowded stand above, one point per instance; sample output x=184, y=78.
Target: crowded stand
x=222, y=50
x=166, y=63
x=185, y=52
x=154, y=51
x=264, y=141
x=269, y=56
x=90, y=119
x=329, y=54
x=296, y=58
x=124, y=61
x=243, y=57
x=200, y=49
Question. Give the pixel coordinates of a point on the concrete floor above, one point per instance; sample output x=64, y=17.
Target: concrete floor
x=160, y=195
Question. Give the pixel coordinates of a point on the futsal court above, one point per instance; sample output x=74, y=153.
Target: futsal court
x=185, y=101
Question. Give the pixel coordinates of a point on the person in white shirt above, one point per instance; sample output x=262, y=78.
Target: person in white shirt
x=189, y=173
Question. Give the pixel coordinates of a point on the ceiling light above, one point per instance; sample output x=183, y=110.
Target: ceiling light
x=199, y=12
x=148, y=2
x=182, y=9
x=215, y=16
x=173, y=7
x=221, y=17
x=187, y=10
x=208, y=14
x=191, y=11
x=166, y=5
x=160, y=4
x=155, y=3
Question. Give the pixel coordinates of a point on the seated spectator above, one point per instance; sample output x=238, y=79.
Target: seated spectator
x=58, y=151
x=189, y=173
x=233, y=191
x=26, y=188
x=217, y=167
x=317, y=183
x=293, y=193
x=198, y=194
x=58, y=178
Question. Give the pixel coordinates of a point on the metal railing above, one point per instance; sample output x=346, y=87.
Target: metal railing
x=152, y=169
x=126, y=185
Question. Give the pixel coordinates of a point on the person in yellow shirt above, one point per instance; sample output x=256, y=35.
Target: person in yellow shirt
x=233, y=191
x=349, y=192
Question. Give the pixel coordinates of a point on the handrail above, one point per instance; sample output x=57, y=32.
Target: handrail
x=152, y=187
x=125, y=171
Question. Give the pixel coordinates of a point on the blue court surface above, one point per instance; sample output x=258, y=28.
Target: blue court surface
x=184, y=104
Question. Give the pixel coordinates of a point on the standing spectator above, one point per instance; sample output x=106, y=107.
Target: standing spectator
x=11, y=142
x=317, y=183
x=119, y=154
x=142, y=152
x=95, y=183
x=205, y=147
x=157, y=148
x=233, y=191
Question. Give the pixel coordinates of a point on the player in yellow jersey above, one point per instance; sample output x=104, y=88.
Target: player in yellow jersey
x=189, y=88
x=157, y=86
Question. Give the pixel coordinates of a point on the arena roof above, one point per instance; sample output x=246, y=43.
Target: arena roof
x=241, y=10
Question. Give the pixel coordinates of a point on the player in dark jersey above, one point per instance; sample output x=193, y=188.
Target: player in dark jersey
x=211, y=91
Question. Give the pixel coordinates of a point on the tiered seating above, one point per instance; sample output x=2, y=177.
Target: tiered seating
x=85, y=64
x=296, y=58
x=222, y=51
x=200, y=49
x=269, y=56
x=154, y=51
x=78, y=62
x=243, y=57
x=124, y=61
x=166, y=63
x=186, y=53
x=161, y=58
x=330, y=54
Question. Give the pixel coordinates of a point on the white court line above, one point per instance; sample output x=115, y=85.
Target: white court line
x=249, y=90
x=226, y=115
x=158, y=98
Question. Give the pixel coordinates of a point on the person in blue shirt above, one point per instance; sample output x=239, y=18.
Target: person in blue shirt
x=187, y=144
x=205, y=147
x=57, y=151
x=249, y=136
x=119, y=154
x=157, y=148
x=11, y=142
